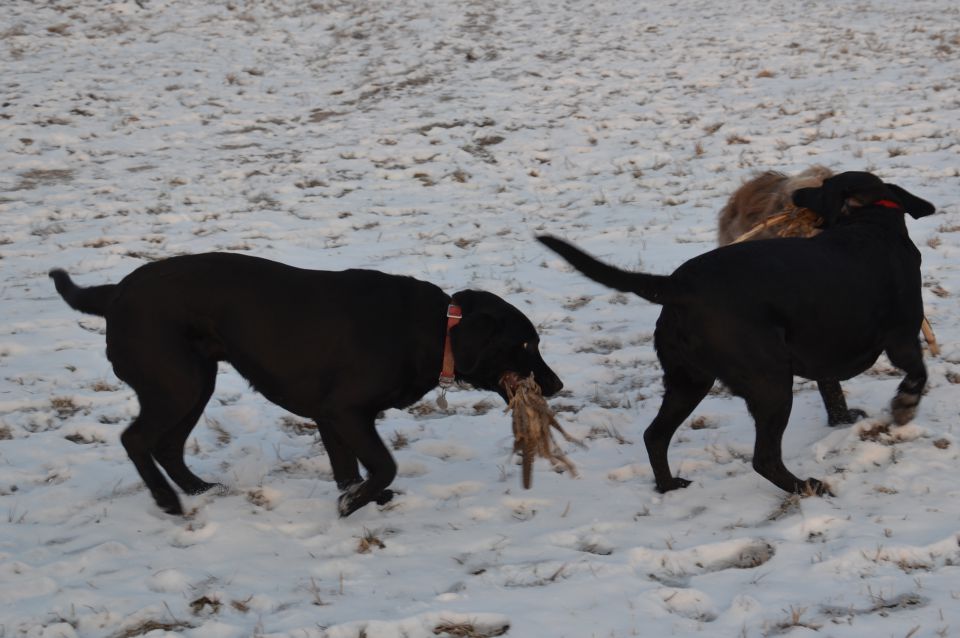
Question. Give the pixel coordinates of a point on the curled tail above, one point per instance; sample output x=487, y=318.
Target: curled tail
x=655, y=288
x=93, y=300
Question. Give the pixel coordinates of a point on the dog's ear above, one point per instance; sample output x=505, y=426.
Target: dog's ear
x=826, y=200
x=914, y=206
x=471, y=337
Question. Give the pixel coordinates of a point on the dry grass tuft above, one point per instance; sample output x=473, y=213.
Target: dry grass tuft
x=259, y=498
x=788, y=506
x=468, y=630
x=148, y=626
x=878, y=433
x=701, y=423
x=424, y=408
x=84, y=439
x=223, y=436
x=65, y=407
x=197, y=606
x=297, y=427
x=794, y=619
x=369, y=541
x=607, y=432
x=482, y=407
x=399, y=440
x=243, y=606
x=532, y=423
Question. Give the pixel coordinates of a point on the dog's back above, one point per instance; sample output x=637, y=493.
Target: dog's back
x=273, y=322
x=828, y=302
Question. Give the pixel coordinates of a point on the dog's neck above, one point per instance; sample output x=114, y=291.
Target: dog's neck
x=855, y=203
x=881, y=215
x=447, y=373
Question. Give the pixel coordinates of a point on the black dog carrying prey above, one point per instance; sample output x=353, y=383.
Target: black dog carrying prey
x=757, y=313
x=335, y=347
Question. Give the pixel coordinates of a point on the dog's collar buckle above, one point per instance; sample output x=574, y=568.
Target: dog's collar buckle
x=447, y=374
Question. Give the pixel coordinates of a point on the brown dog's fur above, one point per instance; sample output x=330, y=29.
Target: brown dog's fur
x=764, y=195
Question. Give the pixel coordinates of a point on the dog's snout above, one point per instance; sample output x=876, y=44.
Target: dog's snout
x=550, y=384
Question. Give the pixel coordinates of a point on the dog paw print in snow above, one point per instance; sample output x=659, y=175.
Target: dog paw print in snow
x=444, y=451
x=193, y=533
x=688, y=603
x=264, y=497
x=678, y=566
x=454, y=491
x=524, y=509
x=168, y=581
x=411, y=469
x=590, y=539
x=629, y=473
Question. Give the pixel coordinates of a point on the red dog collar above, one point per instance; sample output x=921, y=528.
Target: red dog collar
x=447, y=376
x=886, y=203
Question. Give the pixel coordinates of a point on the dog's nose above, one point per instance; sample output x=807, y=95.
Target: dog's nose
x=551, y=385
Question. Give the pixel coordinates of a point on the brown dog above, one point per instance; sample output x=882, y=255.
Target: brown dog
x=763, y=196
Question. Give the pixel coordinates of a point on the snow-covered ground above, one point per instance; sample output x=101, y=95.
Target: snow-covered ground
x=435, y=139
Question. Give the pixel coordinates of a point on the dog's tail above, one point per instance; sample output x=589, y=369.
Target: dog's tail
x=658, y=289
x=93, y=300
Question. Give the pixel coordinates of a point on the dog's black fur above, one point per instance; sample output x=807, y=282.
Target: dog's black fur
x=757, y=313
x=335, y=347
x=763, y=196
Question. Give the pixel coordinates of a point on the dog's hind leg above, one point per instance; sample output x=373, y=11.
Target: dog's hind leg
x=359, y=436
x=770, y=402
x=906, y=354
x=836, y=404
x=140, y=440
x=173, y=384
x=683, y=391
x=169, y=449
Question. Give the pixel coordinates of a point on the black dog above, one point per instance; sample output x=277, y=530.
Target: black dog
x=335, y=347
x=766, y=195
x=757, y=313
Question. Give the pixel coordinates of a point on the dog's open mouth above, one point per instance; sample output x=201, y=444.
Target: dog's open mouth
x=532, y=422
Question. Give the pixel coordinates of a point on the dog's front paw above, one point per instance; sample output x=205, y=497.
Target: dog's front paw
x=385, y=497
x=217, y=489
x=903, y=407
x=169, y=504
x=350, y=500
x=346, y=505
x=846, y=418
x=675, y=483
